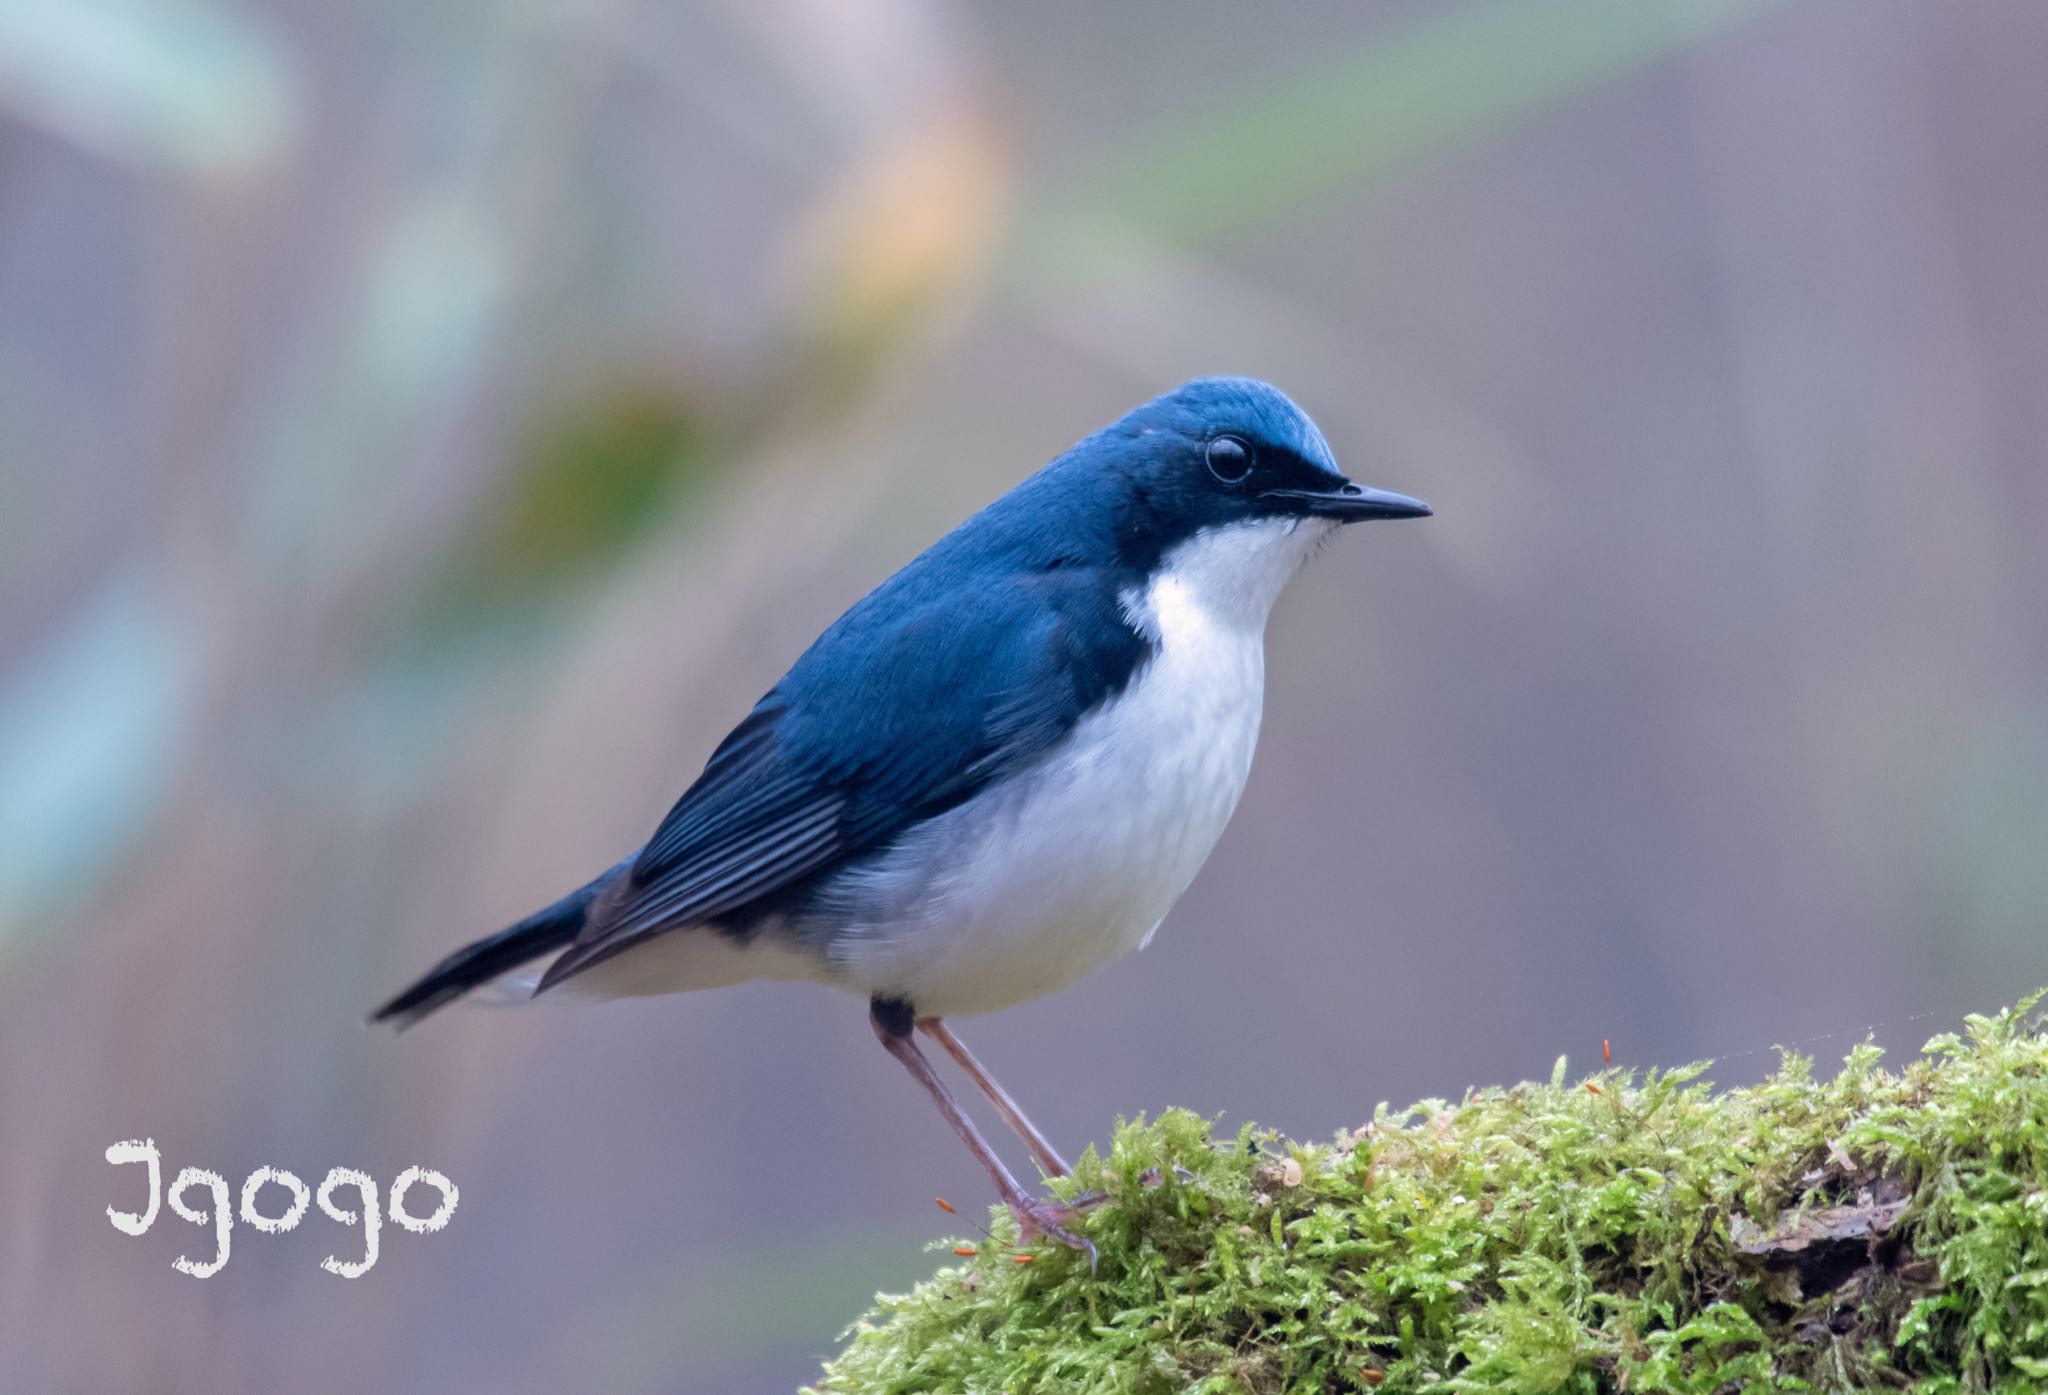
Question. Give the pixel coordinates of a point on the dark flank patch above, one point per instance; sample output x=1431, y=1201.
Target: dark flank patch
x=893, y=1015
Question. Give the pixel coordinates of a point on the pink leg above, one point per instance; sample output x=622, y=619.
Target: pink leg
x=1041, y=1149
x=893, y=1028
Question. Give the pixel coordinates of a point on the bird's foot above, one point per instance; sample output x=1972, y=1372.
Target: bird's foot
x=1053, y=1220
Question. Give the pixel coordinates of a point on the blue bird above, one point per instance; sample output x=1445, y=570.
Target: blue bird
x=997, y=771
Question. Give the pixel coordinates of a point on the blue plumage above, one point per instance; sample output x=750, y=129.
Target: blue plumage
x=997, y=770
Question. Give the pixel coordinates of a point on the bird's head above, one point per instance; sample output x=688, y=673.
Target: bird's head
x=1226, y=456
x=1223, y=450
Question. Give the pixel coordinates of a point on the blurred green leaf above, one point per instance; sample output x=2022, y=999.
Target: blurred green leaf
x=345, y=430
x=1453, y=76
x=87, y=748
x=589, y=480
x=169, y=82
x=435, y=294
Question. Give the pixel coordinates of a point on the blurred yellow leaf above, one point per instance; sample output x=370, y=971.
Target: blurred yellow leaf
x=902, y=238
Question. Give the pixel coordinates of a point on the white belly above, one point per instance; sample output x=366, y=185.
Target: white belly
x=1022, y=891
x=1018, y=893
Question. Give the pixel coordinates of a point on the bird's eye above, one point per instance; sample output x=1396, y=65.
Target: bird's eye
x=1230, y=459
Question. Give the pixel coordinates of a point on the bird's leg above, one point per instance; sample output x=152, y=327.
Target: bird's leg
x=1041, y=1149
x=894, y=1024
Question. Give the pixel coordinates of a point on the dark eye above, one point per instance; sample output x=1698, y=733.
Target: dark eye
x=1230, y=459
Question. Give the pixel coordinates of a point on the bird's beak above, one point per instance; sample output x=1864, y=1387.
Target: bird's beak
x=1352, y=503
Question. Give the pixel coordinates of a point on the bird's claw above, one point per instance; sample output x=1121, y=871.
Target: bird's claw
x=1052, y=1220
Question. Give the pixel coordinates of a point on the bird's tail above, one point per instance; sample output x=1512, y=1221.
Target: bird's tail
x=543, y=932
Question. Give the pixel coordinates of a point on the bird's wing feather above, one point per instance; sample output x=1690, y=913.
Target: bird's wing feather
x=888, y=720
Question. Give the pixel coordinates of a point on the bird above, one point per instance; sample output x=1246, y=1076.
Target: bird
x=995, y=773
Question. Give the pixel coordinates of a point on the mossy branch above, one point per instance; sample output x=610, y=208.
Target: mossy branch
x=1875, y=1231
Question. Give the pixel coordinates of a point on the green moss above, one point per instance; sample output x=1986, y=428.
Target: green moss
x=1875, y=1231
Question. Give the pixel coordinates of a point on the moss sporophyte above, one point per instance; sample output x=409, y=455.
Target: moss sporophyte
x=1877, y=1230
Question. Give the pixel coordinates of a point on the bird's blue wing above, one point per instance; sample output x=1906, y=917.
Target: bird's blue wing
x=888, y=720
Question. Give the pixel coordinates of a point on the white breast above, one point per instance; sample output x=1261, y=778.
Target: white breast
x=1026, y=888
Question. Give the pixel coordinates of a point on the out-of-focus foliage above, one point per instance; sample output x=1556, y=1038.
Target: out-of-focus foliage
x=86, y=751
x=585, y=487
x=1298, y=137
x=197, y=87
x=888, y=253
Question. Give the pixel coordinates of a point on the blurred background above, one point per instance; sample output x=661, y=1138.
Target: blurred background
x=425, y=428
